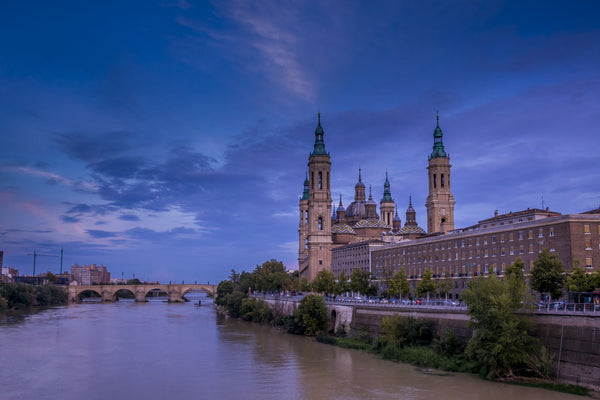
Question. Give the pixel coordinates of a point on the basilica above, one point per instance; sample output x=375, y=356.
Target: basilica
x=324, y=227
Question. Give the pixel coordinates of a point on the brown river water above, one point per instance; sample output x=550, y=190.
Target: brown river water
x=156, y=350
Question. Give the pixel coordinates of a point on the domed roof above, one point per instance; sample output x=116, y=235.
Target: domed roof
x=412, y=229
x=342, y=228
x=359, y=183
x=356, y=209
x=371, y=223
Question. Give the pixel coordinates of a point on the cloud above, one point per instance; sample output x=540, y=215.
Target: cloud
x=129, y=217
x=92, y=148
x=101, y=234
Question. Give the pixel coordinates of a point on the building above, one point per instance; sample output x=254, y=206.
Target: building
x=89, y=274
x=357, y=237
x=321, y=231
x=493, y=244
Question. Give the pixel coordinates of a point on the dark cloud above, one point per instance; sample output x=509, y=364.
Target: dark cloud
x=129, y=217
x=69, y=219
x=93, y=148
x=101, y=234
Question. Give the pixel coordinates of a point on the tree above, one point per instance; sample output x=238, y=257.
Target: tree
x=342, y=284
x=427, y=285
x=399, y=285
x=270, y=276
x=578, y=280
x=303, y=285
x=547, y=274
x=224, y=289
x=360, y=281
x=444, y=286
x=51, y=277
x=324, y=282
x=503, y=344
x=516, y=285
x=311, y=315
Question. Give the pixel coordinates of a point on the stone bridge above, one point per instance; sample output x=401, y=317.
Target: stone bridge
x=109, y=292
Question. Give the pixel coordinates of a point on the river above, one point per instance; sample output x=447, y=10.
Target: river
x=156, y=350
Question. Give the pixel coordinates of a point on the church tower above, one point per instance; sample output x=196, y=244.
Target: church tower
x=318, y=235
x=303, y=225
x=440, y=202
x=386, y=206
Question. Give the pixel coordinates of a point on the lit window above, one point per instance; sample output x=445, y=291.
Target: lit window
x=586, y=229
x=521, y=250
x=551, y=233
x=541, y=233
x=588, y=244
x=512, y=251
x=530, y=235
x=511, y=236
x=485, y=253
x=502, y=252
x=588, y=262
x=502, y=238
x=531, y=248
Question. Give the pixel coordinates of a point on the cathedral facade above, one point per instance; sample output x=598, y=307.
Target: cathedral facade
x=324, y=227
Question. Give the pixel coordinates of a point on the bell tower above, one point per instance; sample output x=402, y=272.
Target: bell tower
x=440, y=202
x=386, y=205
x=318, y=240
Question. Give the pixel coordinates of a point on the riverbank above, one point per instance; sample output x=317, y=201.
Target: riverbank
x=22, y=295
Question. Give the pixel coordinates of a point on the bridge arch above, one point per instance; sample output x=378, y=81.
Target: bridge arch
x=115, y=296
x=96, y=294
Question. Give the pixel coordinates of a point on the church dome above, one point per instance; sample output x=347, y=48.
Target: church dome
x=356, y=209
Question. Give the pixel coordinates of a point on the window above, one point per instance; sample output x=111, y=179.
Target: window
x=485, y=253
x=511, y=236
x=306, y=216
x=520, y=235
x=530, y=235
x=586, y=229
x=485, y=240
x=502, y=251
x=541, y=233
x=551, y=233
x=442, y=180
x=493, y=239
x=521, y=250
x=306, y=243
x=588, y=262
x=320, y=262
x=494, y=252
x=320, y=223
x=502, y=238
x=477, y=242
x=512, y=251
x=588, y=244
x=531, y=248
x=320, y=180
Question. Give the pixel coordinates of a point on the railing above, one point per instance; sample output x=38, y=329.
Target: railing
x=438, y=304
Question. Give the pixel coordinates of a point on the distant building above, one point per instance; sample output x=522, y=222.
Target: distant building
x=9, y=274
x=89, y=274
x=353, y=256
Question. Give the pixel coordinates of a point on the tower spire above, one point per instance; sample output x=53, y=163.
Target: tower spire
x=438, y=144
x=319, y=148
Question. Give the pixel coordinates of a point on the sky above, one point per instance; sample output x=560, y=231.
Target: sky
x=169, y=139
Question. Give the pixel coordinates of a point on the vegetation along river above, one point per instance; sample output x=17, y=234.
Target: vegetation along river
x=156, y=350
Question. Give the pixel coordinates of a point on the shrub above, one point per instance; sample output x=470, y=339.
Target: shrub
x=311, y=315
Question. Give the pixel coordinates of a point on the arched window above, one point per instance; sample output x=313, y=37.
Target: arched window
x=306, y=216
x=442, y=180
x=320, y=223
x=320, y=180
x=434, y=180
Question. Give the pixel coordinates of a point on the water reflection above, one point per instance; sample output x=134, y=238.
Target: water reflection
x=157, y=350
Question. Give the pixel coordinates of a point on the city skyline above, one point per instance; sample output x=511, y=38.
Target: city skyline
x=170, y=139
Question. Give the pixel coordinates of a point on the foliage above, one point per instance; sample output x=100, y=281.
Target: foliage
x=547, y=274
x=135, y=281
x=255, y=310
x=426, y=286
x=342, y=284
x=360, y=281
x=578, y=280
x=303, y=285
x=270, y=276
x=502, y=345
x=514, y=276
x=449, y=345
x=444, y=286
x=22, y=295
x=324, y=282
x=399, y=285
x=406, y=331
x=51, y=277
x=311, y=315
x=224, y=289
x=234, y=303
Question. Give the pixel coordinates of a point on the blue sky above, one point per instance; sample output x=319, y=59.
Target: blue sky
x=170, y=138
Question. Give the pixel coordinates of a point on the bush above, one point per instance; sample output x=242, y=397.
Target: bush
x=406, y=331
x=311, y=315
x=449, y=345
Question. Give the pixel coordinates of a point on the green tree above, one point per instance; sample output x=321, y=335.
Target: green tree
x=303, y=285
x=311, y=315
x=342, y=285
x=595, y=280
x=516, y=285
x=444, y=286
x=51, y=277
x=578, y=280
x=270, y=276
x=502, y=345
x=224, y=289
x=324, y=282
x=426, y=285
x=398, y=284
x=547, y=274
x=360, y=281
